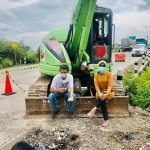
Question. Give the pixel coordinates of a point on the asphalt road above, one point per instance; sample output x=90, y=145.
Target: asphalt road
x=122, y=65
x=12, y=108
x=24, y=78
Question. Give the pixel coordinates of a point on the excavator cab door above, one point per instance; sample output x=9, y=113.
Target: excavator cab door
x=100, y=39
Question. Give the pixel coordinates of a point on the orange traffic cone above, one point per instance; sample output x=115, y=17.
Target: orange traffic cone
x=8, y=88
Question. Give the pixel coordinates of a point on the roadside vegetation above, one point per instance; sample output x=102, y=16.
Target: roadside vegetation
x=138, y=88
x=7, y=54
x=115, y=49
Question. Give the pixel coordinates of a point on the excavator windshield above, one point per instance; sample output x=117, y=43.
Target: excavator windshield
x=54, y=47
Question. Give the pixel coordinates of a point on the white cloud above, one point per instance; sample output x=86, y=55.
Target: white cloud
x=31, y=20
x=7, y=4
x=3, y=26
x=7, y=15
x=40, y=34
x=141, y=2
x=130, y=23
x=32, y=39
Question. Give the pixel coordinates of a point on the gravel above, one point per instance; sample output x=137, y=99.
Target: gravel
x=123, y=133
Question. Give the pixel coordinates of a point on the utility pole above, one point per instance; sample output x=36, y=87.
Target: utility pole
x=146, y=31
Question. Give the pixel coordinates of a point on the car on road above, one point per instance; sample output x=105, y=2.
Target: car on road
x=148, y=48
x=139, y=50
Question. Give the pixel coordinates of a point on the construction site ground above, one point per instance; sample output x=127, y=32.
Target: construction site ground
x=123, y=133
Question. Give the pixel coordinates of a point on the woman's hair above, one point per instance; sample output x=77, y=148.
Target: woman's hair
x=22, y=146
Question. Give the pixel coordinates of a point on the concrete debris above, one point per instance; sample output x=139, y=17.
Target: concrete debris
x=55, y=139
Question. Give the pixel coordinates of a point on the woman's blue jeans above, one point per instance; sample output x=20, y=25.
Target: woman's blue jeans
x=54, y=96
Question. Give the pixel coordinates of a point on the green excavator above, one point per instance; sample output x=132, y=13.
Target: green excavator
x=87, y=41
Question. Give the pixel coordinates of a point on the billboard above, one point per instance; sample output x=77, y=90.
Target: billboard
x=133, y=38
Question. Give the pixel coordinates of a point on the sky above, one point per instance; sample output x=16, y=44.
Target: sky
x=31, y=20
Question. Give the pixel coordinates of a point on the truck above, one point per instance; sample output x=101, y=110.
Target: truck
x=76, y=48
x=126, y=44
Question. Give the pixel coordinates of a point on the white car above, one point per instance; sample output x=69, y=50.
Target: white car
x=148, y=48
x=139, y=50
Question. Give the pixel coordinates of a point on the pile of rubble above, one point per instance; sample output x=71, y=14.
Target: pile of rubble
x=54, y=139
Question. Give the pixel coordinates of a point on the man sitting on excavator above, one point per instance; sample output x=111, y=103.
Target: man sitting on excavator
x=62, y=87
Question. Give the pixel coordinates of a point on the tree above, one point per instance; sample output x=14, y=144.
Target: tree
x=22, y=51
x=28, y=48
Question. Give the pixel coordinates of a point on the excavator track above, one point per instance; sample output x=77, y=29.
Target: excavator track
x=37, y=103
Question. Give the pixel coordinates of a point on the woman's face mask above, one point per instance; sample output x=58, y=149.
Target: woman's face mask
x=101, y=70
x=63, y=76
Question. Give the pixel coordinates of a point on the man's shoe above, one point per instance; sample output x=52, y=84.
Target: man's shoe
x=54, y=113
x=70, y=113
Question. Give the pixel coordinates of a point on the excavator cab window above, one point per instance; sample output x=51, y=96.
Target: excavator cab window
x=55, y=49
x=100, y=31
x=100, y=40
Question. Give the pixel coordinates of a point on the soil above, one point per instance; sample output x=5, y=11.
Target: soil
x=123, y=133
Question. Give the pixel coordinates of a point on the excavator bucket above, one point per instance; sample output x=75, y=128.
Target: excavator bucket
x=37, y=103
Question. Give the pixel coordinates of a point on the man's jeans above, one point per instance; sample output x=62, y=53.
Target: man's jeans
x=53, y=96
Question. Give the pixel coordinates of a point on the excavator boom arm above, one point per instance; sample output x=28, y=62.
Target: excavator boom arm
x=81, y=21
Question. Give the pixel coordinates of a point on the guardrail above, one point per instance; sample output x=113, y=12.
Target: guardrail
x=26, y=68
